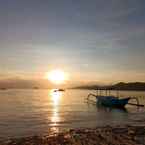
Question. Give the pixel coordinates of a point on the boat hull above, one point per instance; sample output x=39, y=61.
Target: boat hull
x=112, y=101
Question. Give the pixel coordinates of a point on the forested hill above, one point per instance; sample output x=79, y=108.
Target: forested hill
x=137, y=86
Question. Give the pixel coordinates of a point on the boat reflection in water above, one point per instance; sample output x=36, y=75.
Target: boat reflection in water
x=55, y=118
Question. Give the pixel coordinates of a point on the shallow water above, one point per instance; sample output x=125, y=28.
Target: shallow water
x=35, y=112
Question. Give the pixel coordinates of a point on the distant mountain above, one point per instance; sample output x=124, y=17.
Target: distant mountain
x=137, y=86
x=130, y=86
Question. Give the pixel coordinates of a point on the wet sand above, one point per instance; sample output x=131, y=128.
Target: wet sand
x=118, y=135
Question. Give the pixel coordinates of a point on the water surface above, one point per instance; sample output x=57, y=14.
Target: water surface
x=34, y=112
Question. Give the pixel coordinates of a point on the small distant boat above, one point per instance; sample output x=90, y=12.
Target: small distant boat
x=3, y=88
x=62, y=90
x=36, y=88
x=59, y=90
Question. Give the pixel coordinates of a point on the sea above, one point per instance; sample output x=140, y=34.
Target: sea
x=27, y=112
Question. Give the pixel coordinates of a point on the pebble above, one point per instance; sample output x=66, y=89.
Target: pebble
x=124, y=135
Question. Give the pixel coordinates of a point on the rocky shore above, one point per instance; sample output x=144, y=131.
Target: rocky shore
x=119, y=135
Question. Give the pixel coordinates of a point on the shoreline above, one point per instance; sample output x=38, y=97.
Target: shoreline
x=107, y=135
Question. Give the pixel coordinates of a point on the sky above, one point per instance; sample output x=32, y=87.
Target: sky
x=92, y=40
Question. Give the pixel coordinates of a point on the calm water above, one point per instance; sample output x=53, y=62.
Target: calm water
x=34, y=112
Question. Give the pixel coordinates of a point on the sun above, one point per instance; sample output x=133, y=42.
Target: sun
x=57, y=76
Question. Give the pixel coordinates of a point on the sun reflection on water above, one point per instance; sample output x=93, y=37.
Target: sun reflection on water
x=55, y=119
x=55, y=95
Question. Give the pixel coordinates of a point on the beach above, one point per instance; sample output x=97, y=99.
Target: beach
x=106, y=135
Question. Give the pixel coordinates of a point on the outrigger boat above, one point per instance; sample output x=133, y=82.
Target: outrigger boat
x=112, y=101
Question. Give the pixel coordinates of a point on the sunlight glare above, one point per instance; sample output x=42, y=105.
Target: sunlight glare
x=57, y=76
x=55, y=97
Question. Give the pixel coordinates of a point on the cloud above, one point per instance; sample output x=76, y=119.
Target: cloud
x=105, y=35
